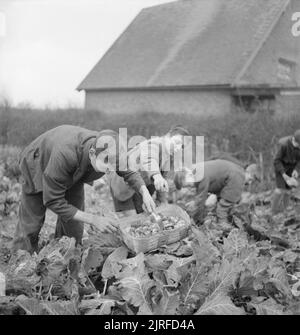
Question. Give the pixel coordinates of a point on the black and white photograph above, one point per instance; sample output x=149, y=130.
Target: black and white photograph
x=150, y=160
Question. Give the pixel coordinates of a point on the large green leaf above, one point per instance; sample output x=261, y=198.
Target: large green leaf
x=97, y=305
x=279, y=278
x=177, y=269
x=268, y=307
x=111, y=267
x=254, y=275
x=61, y=307
x=168, y=304
x=158, y=261
x=194, y=285
x=221, y=278
x=31, y=306
x=296, y=289
x=135, y=283
x=204, y=251
x=91, y=259
x=34, y=306
x=219, y=305
x=22, y=267
x=194, y=282
x=134, y=289
x=58, y=249
x=161, y=301
x=234, y=244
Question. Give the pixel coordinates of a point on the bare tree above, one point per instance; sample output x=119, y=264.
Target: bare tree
x=5, y=115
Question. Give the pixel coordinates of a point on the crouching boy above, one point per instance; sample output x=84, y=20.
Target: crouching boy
x=223, y=178
x=285, y=165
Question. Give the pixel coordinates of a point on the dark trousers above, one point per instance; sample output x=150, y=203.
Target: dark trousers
x=281, y=195
x=135, y=202
x=32, y=216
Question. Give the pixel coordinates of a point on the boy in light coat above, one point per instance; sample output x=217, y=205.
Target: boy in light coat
x=154, y=160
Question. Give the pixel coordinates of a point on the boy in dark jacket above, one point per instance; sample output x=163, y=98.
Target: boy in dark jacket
x=223, y=178
x=285, y=166
x=54, y=168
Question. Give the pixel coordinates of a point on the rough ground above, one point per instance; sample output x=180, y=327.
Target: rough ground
x=253, y=270
x=97, y=200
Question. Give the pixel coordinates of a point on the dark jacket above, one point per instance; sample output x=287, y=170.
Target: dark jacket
x=59, y=159
x=223, y=178
x=287, y=156
x=227, y=157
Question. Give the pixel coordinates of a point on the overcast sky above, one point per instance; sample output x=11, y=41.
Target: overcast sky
x=48, y=46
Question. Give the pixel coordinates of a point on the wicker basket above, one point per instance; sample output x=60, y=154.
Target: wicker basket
x=146, y=244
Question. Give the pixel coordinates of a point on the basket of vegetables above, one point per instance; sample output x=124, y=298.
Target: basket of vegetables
x=143, y=234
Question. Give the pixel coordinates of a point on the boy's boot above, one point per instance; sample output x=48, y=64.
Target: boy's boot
x=222, y=211
x=277, y=201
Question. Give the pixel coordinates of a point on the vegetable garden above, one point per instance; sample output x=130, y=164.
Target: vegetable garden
x=255, y=270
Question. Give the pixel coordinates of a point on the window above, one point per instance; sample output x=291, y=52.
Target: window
x=255, y=103
x=286, y=70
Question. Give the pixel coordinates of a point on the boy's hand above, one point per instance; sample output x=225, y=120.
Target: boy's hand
x=211, y=201
x=292, y=182
x=160, y=183
x=105, y=224
x=295, y=174
x=148, y=202
x=190, y=206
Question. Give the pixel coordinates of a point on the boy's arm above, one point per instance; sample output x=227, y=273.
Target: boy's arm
x=149, y=158
x=149, y=161
x=202, y=193
x=163, y=196
x=57, y=178
x=278, y=163
x=132, y=178
x=135, y=180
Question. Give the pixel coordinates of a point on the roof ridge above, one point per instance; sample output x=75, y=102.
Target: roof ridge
x=163, y=4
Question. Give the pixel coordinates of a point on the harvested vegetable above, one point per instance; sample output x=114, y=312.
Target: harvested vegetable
x=148, y=228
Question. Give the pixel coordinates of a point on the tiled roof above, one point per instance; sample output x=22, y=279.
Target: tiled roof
x=186, y=43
